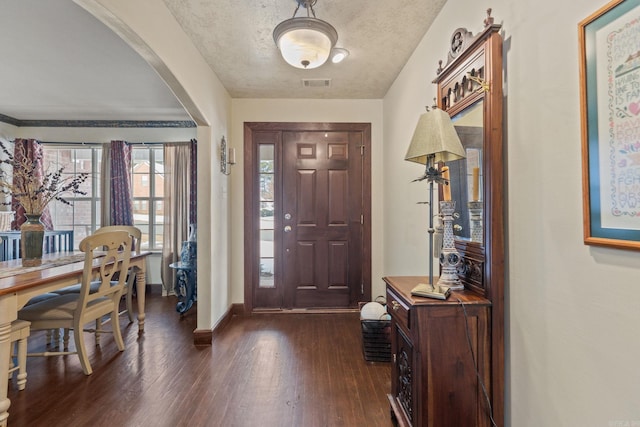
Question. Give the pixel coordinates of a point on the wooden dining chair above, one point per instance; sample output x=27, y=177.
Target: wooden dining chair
x=75, y=310
x=136, y=236
x=20, y=331
x=53, y=336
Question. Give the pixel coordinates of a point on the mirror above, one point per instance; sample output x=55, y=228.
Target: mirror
x=466, y=175
x=469, y=89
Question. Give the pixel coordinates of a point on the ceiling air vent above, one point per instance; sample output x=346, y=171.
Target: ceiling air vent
x=316, y=82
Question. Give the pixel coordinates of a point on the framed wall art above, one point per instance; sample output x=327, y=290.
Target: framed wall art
x=610, y=114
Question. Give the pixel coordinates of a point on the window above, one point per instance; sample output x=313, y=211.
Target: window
x=83, y=215
x=267, y=204
x=147, y=173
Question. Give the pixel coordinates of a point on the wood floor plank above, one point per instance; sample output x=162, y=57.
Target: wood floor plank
x=262, y=370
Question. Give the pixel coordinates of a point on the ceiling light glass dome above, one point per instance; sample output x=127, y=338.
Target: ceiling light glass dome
x=305, y=42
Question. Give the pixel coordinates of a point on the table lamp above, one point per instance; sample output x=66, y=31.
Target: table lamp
x=434, y=140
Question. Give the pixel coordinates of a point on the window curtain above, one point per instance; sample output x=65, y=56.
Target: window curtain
x=177, y=176
x=105, y=190
x=121, y=198
x=32, y=150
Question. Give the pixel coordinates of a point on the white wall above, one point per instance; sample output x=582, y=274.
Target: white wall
x=303, y=110
x=150, y=29
x=572, y=310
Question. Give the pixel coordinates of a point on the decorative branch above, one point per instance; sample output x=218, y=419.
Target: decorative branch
x=33, y=190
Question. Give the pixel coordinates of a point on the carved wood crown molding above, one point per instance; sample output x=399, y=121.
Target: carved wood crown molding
x=464, y=79
x=473, y=82
x=462, y=39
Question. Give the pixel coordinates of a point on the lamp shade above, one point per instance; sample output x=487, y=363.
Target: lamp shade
x=435, y=136
x=305, y=42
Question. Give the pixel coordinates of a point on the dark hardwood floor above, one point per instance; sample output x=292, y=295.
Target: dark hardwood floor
x=263, y=370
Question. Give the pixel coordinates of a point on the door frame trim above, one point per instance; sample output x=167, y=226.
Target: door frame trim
x=250, y=194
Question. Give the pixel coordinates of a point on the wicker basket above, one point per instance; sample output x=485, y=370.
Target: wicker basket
x=376, y=340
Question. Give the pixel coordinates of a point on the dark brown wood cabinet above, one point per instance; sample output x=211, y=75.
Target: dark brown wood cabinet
x=448, y=355
x=441, y=357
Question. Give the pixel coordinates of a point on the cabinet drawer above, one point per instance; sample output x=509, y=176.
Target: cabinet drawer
x=398, y=309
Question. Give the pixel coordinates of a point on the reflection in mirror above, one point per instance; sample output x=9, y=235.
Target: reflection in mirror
x=466, y=174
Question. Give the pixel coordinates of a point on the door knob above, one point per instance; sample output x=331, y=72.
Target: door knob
x=287, y=228
x=287, y=216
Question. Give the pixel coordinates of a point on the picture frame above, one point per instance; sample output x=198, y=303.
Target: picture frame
x=609, y=42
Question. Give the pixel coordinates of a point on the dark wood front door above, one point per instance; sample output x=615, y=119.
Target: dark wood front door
x=308, y=189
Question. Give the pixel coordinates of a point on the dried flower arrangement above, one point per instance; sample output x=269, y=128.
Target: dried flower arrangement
x=34, y=190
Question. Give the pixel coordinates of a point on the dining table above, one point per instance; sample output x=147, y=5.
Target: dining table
x=18, y=284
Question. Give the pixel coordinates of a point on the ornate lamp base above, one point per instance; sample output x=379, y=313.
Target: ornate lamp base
x=449, y=257
x=475, y=217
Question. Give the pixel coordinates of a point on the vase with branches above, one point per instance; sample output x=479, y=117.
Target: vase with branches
x=34, y=188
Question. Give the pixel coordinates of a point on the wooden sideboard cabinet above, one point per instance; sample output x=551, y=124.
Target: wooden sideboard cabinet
x=436, y=349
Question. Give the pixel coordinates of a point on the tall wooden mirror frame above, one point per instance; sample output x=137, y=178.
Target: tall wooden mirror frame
x=473, y=73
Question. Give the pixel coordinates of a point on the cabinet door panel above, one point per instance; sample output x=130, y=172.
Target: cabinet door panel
x=453, y=393
x=403, y=373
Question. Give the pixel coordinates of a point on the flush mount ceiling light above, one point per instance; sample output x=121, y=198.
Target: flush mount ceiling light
x=338, y=54
x=305, y=42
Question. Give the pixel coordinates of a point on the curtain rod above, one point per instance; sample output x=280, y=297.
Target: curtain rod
x=101, y=143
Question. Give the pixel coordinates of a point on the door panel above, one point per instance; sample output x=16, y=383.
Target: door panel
x=321, y=216
x=317, y=169
x=338, y=265
x=338, y=194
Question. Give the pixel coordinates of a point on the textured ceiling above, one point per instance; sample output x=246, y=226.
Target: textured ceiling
x=60, y=63
x=236, y=39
